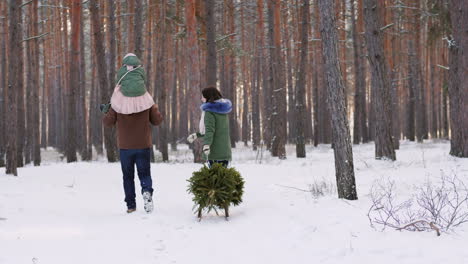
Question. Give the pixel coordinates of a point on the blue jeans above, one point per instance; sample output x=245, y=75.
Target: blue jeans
x=142, y=159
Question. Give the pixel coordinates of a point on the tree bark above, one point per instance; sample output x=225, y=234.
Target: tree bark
x=458, y=79
x=360, y=124
x=138, y=28
x=74, y=81
x=258, y=57
x=344, y=167
x=105, y=88
x=278, y=87
x=300, y=103
x=14, y=73
x=381, y=84
x=161, y=82
x=193, y=73
x=211, y=69
x=3, y=83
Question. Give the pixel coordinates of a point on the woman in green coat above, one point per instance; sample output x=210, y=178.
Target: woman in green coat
x=214, y=127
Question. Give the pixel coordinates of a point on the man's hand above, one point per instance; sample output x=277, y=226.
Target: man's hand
x=191, y=138
x=206, y=150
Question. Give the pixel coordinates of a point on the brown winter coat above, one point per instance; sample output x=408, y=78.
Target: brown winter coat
x=134, y=130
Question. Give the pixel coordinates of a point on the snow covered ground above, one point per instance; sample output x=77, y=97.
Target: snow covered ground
x=74, y=213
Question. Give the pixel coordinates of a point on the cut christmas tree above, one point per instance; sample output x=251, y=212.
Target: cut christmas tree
x=216, y=188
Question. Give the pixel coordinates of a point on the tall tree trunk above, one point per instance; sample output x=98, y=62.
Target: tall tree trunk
x=258, y=57
x=301, y=83
x=381, y=84
x=3, y=83
x=85, y=148
x=161, y=83
x=14, y=74
x=289, y=84
x=360, y=124
x=245, y=85
x=36, y=151
x=74, y=81
x=458, y=80
x=21, y=125
x=344, y=166
x=231, y=77
x=138, y=30
x=278, y=86
x=105, y=88
x=193, y=73
x=210, y=44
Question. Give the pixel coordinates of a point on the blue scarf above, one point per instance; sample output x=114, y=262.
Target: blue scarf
x=221, y=106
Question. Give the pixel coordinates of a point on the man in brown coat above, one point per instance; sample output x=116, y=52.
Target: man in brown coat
x=133, y=111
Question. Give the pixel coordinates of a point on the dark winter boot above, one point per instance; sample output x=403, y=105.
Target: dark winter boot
x=131, y=210
x=148, y=201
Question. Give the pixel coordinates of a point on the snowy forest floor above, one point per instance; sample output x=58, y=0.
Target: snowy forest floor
x=74, y=213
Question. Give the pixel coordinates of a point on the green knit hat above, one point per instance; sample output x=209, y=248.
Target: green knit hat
x=133, y=83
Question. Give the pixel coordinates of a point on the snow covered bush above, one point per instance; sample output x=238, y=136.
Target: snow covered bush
x=440, y=207
x=216, y=187
x=322, y=188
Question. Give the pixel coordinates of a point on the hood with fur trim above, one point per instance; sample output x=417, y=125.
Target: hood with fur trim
x=221, y=106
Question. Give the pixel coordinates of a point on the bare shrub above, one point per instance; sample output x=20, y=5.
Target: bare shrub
x=321, y=188
x=318, y=188
x=440, y=207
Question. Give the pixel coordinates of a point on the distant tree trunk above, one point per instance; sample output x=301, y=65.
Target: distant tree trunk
x=174, y=103
x=410, y=107
x=458, y=79
x=231, y=77
x=14, y=74
x=94, y=120
x=210, y=44
x=289, y=84
x=138, y=31
x=183, y=92
x=433, y=106
x=3, y=83
x=193, y=73
x=74, y=81
x=381, y=84
x=27, y=150
x=112, y=43
x=258, y=57
x=301, y=83
x=278, y=87
x=21, y=125
x=109, y=140
x=315, y=78
x=160, y=83
x=395, y=44
x=129, y=23
x=344, y=167
x=445, y=110
x=36, y=133
x=65, y=80
x=418, y=79
x=246, y=85
x=84, y=148
x=360, y=124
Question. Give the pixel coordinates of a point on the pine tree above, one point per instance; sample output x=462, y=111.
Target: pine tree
x=344, y=166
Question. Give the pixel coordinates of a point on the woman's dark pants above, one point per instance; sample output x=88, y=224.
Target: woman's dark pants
x=225, y=163
x=128, y=159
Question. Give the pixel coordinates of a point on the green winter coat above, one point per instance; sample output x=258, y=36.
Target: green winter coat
x=134, y=83
x=217, y=136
